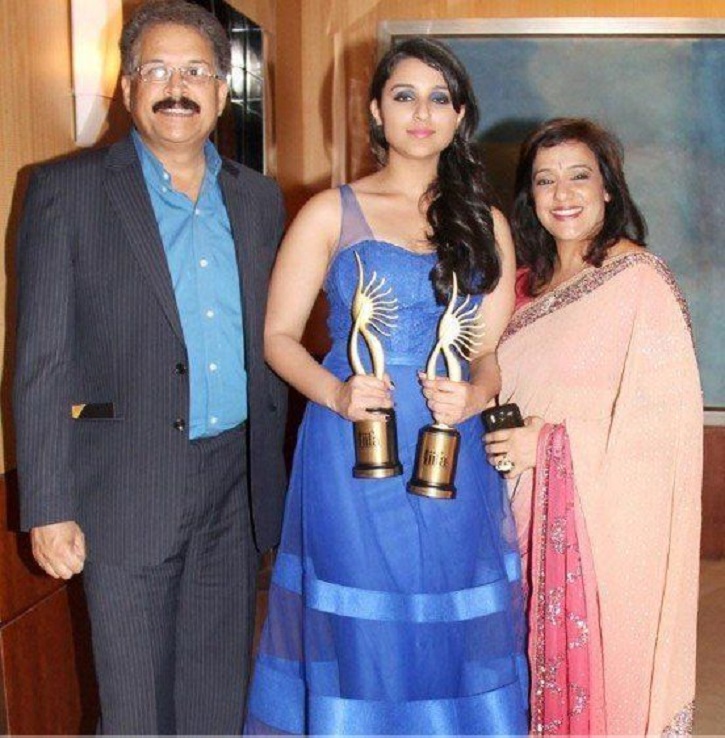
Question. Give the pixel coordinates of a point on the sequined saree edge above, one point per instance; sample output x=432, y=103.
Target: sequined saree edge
x=591, y=279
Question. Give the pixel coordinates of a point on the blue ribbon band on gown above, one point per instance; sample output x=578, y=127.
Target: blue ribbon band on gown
x=364, y=604
x=280, y=705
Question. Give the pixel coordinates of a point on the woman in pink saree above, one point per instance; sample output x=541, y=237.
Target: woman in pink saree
x=606, y=474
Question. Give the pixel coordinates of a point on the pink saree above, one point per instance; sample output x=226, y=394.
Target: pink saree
x=609, y=524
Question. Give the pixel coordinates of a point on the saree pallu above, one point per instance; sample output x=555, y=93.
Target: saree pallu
x=567, y=680
x=608, y=358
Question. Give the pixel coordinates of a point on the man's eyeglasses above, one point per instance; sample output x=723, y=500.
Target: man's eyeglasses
x=191, y=74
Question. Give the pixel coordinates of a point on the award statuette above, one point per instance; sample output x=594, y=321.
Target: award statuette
x=376, y=441
x=437, y=454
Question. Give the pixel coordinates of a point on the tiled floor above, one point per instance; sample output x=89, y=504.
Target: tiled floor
x=710, y=697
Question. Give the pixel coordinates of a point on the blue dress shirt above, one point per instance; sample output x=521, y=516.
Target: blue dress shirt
x=200, y=251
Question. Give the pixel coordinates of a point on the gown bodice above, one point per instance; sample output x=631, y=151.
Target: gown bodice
x=406, y=274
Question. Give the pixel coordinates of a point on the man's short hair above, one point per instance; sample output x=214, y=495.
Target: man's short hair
x=180, y=13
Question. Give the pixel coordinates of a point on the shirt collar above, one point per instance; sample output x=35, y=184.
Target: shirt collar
x=152, y=166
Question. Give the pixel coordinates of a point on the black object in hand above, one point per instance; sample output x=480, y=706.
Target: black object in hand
x=501, y=417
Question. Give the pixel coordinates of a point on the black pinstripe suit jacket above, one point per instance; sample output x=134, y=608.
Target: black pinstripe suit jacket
x=98, y=323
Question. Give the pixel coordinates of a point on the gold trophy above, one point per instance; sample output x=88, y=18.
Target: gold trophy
x=437, y=453
x=376, y=441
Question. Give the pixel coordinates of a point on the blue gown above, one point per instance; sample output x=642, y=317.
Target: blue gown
x=390, y=613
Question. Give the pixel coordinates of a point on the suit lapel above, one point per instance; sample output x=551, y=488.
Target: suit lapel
x=128, y=194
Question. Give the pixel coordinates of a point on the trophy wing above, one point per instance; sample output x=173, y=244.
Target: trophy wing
x=373, y=307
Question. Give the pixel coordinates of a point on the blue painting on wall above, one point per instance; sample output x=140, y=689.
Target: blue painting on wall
x=665, y=99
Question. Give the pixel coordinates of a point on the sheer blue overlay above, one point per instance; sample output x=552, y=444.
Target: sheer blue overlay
x=389, y=613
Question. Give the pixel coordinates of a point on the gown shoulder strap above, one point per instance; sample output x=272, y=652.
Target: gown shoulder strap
x=353, y=228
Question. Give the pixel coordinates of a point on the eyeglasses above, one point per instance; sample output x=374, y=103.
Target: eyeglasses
x=191, y=74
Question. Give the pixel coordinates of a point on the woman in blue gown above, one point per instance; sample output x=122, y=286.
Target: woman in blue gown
x=391, y=613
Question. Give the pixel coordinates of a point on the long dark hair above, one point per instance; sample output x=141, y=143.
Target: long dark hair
x=535, y=246
x=459, y=214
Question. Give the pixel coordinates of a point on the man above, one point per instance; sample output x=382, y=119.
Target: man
x=146, y=416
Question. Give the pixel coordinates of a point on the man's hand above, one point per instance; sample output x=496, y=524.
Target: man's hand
x=59, y=548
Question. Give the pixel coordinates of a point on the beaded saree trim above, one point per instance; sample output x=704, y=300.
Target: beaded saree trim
x=588, y=281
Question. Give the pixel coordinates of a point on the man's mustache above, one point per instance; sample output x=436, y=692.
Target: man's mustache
x=169, y=103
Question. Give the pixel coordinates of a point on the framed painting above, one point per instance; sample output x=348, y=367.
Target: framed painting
x=659, y=84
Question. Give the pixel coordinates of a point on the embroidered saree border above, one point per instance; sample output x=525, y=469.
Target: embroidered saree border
x=588, y=281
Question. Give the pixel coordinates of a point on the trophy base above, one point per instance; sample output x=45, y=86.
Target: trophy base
x=439, y=492
x=435, y=463
x=361, y=471
x=376, y=447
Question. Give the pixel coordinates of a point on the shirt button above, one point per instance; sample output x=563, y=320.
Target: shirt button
x=213, y=367
x=179, y=425
x=203, y=263
x=197, y=211
x=209, y=313
x=180, y=368
x=213, y=420
x=166, y=176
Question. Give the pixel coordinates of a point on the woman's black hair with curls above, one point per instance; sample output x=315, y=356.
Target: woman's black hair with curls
x=459, y=213
x=535, y=246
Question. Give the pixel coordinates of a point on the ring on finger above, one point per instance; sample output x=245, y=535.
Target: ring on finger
x=504, y=464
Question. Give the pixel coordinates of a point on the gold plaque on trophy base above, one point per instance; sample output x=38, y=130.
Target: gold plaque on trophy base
x=436, y=460
x=376, y=447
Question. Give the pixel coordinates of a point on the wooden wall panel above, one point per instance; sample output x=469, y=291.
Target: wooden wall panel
x=262, y=12
x=3, y=706
x=46, y=675
x=36, y=124
x=36, y=120
x=49, y=685
x=353, y=25
x=315, y=34
x=46, y=681
x=713, y=495
x=22, y=582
